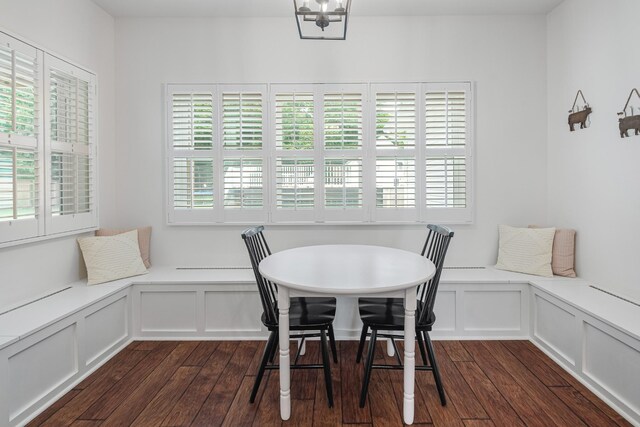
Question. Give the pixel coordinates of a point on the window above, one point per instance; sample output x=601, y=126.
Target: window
x=47, y=145
x=70, y=140
x=20, y=141
x=324, y=153
x=216, y=159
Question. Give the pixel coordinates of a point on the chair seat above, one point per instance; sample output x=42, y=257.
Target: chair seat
x=308, y=313
x=388, y=314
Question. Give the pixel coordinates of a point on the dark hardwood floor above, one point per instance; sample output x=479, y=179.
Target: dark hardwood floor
x=488, y=383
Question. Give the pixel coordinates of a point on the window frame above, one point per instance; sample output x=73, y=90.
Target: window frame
x=320, y=214
x=75, y=222
x=43, y=227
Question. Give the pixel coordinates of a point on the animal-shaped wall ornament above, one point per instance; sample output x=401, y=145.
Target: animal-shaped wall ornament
x=629, y=121
x=578, y=116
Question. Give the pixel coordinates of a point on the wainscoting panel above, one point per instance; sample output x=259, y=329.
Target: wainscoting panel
x=612, y=363
x=555, y=326
x=445, y=311
x=497, y=310
x=31, y=377
x=168, y=311
x=232, y=313
x=105, y=327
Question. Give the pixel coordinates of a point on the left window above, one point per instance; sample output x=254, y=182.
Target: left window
x=215, y=153
x=47, y=145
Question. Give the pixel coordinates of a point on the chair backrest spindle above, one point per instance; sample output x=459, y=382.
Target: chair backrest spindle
x=435, y=248
x=258, y=250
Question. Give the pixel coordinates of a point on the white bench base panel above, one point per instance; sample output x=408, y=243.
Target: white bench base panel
x=38, y=364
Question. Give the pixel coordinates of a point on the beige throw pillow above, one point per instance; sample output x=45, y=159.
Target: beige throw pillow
x=111, y=257
x=144, y=240
x=563, y=258
x=526, y=250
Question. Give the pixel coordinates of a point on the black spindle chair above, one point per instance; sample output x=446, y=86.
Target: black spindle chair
x=387, y=314
x=305, y=314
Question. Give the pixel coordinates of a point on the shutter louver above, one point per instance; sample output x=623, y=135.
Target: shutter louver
x=62, y=184
x=395, y=120
x=294, y=115
x=448, y=155
x=243, y=187
x=192, y=183
x=295, y=183
x=343, y=120
x=6, y=90
x=395, y=182
x=343, y=183
x=26, y=101
x=192, y=121
x=446, y=182
x=18, y=184
x=445, y=119
x=19, y=104
x=20, y=144
x=70, y=120
x=320, y=153
x=242, y=121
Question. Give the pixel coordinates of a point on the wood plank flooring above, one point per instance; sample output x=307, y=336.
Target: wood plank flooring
x=187, y=383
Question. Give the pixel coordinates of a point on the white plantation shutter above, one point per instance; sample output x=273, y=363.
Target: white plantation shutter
x=193, y=183
x=70, y=117
x=18, y=184
x=320, y=153
x=446, y=182
x=341, y=157
x=448, y=152
x=20, y=141
x=192, y=154
x=395, y=182
x=293, y=113
x=396, y=119
x=192, y=120
x=342, y=120
x=343, y=183
x=215, y=156
x=295, y=183
x=242, y=120
x=243, y=186
x=294, y=154
x=396, y=129
x=243, y=134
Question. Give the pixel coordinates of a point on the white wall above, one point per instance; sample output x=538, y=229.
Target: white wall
x=593, y=174
x=83, y=33
x=505, y=56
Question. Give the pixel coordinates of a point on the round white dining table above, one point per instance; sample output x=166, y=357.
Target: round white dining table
x=351, y=270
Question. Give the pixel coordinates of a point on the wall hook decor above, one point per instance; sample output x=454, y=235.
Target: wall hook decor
x=576, y=115
x=629, y=121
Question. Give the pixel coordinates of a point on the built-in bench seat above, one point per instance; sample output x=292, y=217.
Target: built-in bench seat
x=51, y=344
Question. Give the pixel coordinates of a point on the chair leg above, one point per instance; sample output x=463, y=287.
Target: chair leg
x=436, y=371
x=363, y=338
x=368, y=367
x=265, y=357
x=332, y=341
x=327, y=367
x=423, y=352
x=272, y=355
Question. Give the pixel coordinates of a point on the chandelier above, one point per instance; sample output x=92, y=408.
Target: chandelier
x=327, y=22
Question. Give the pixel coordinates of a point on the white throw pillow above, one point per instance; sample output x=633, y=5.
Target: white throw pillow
x=112, y=257
x=526, y=250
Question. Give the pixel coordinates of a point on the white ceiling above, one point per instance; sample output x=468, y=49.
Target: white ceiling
x=272, y=8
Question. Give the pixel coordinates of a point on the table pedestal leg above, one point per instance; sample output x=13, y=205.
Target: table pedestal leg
x=285, y=370
x=409, y=353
